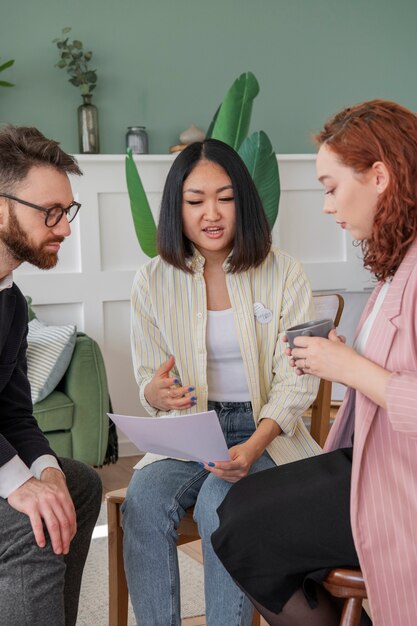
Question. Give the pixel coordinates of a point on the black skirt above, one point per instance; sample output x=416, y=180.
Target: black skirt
x=283, y=527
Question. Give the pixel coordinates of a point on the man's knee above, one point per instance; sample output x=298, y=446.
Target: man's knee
x=84, y=485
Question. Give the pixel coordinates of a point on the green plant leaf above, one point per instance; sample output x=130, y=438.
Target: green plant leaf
x=4, y=83
x=233, y=119
x=141, y=213
x=6, y=65
x=260, y=159
x=212, y=123
x=91, y=77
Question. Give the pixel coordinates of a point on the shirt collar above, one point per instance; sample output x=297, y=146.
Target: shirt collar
x=196, y=261
x=6, y=282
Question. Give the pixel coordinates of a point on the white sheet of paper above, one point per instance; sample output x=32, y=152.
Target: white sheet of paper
x=194, y=437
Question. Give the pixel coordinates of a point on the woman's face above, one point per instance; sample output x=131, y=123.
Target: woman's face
x=350, y=197
x=208, y=210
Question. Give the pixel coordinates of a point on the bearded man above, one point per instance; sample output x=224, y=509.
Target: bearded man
x=48, y=506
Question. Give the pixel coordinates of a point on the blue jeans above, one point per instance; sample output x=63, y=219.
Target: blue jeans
x=157, y=498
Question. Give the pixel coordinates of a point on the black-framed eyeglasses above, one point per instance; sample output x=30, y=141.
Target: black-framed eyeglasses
x=52, y=215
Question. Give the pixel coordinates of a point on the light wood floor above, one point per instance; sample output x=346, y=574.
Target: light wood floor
x=117, y=476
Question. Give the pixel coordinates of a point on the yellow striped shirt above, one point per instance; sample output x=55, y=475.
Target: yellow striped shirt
x=169, y=316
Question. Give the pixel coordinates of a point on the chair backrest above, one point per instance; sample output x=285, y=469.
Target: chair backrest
x=326, y=305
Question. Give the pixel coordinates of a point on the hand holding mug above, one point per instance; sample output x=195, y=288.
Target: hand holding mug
x=314, y=328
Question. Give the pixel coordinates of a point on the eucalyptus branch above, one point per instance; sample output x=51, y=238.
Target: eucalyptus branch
x=73, y=58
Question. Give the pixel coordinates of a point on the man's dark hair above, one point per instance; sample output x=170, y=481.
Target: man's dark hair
x=253, y=234
x=23, y=147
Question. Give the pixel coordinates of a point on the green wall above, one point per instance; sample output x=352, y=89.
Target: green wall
x=167, y=63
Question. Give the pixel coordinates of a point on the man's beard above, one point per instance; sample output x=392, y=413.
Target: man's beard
x=19, y=247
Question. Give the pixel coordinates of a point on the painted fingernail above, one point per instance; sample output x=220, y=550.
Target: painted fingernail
x=211, y=464
x=193, y=403
x=200, y=464
x=191, y=388
x=176, y=381
x=193, y=398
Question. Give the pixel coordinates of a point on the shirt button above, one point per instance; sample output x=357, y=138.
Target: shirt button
x=199, y=315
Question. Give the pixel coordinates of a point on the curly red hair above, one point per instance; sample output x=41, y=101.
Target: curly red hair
x=379, y=130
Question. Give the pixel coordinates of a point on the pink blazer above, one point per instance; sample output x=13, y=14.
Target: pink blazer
x=384, y=472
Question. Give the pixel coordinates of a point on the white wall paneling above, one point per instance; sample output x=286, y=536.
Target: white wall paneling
x=92, y=282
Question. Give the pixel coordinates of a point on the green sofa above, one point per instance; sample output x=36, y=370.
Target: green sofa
x=74, y=416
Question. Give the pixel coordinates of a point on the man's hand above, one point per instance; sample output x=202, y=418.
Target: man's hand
x=47, y=501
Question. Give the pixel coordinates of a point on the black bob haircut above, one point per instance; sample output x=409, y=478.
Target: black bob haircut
x=253, y=234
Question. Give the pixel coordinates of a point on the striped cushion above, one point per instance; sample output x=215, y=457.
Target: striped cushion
x=49, y=353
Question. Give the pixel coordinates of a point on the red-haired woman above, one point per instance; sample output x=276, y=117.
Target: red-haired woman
x=367, y=163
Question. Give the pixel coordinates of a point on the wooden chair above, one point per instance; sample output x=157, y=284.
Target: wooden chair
x=118, y=593
x=328, y=305
x=347, y=584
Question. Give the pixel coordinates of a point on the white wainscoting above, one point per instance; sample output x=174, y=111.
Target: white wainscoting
x=91, y=284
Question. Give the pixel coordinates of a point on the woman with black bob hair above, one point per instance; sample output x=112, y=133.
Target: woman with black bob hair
x=207, y=315
x=252, y=240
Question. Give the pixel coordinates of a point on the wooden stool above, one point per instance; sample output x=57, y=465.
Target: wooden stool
x=118, y=593
x=347, y=584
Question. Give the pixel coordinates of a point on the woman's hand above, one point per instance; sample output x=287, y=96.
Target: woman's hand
x=244, y=455
x=241, y=460
x=333, y=360
x=165, y=393
x=330, y=358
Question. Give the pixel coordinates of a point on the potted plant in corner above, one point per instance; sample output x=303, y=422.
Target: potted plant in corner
x=75, y=61
x=231, y=125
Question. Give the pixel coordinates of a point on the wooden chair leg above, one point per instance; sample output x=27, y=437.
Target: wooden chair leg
x=256, y=620
x=351, y=615
x=118, y=595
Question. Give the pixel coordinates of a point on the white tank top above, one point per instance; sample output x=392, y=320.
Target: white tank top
x=226, y=378
x=360, y=343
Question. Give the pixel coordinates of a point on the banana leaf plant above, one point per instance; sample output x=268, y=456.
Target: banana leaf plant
x=141, y=211
x=231, y=125
x=4, y=66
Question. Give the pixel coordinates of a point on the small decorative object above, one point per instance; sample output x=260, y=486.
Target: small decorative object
x=4, y=66
x=177, y=148
x=137, y=139
x=75, y=61
x=192, y=134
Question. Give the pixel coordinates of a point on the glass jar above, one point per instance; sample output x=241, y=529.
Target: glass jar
x=88, y=127
x=137, y=139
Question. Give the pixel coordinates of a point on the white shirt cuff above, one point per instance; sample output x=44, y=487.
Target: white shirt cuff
x=42, y=462
x=12, y=475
